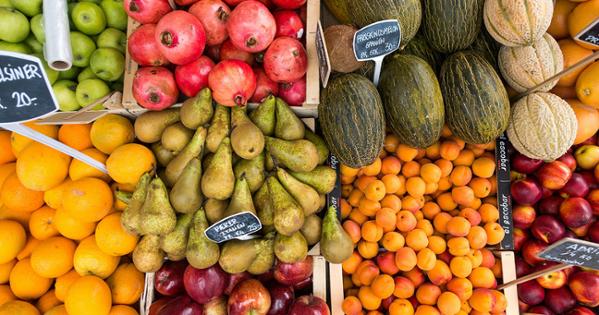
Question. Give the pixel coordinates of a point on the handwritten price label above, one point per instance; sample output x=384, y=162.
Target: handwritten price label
x=590, y=34
x=234, y=227
x=376, y=41
x=573, y=252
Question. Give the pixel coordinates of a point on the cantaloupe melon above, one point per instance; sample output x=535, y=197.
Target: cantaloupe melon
x=517, y=22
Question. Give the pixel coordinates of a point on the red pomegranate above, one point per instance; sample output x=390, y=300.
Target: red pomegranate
x=180, y=37
x=213, y=52
x=213, y=14
x=230, y=51
x=233, y=3
x=143, y=48
x=289, y=4
x=232, y=82
x=147, y=11
x=264, y=86
x=183, y=3
x=193, y=77
x=154, y=88
x=285, y=60
x=289, y=24
x=251, y=26
x=293, y=93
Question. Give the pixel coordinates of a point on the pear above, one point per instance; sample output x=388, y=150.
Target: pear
x=270, y=163
x=247, y=140
x=305, y=195
x=297, y=155
x=218, y=180
x=206, y=160
x=122, y=196
x=291, y=249
x=175, y=257
x=323, y=202
x=215, y=209
x=237, y=256
x=321, y=146
x=253, y=170
x=175, y=137
x=197, y=111
x=288, y=126
x=335, y=245
x=150, y=125
x=175, y=242
x=238, y=117
x=288, y=214
x=186, y=194
x=264, y=206
x=311, y=229
x=192, y=149
x=201, y=252
x=163, y=155
x=265, y=258
x=157, y=214
x=147, y=256
x=264, y=116
x=241, y=200
x=322, y=178
x=131, y=217
x=219, y=128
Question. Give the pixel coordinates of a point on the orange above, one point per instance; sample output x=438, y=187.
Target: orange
x=88, y=199
x=75, y=136
x=53, y=197
x=18, y=308
x=122, y=310
x=588, y=120
x=122, y=170
x=559, y=23
x=449, y=303
x=89, y=259
x=587, y=85
x=126, y=284
x=581, y=17
x=573, y=53
x=41, y=223
x=564, y=92
x=53, y=257
x=15, y=196
x=6, y=154
x=25, y=283
x=63, y=283
x=19, y=142
x=111, y=132
x=12, y=240
x=5, y=171
x=47, y=302
x=79, y=169
x=5, y=270
x=70, y=227
x=112, y=238
x=31, y=244
x=6, y=294
x=40, y=167
x=88, y=295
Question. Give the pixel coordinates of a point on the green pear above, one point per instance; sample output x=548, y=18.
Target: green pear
x=264, y=208
x=297, y=155
x=219, y=127
x=175, y=137
x=288, y=214
x=335, y=245
x=270, y=163
x=291, y=249
x=247, y=140
x=218, y=180
x=265, y=257
x=193, y=149
x=237, y=256
x=239, y=116
x=147, y=256
x=241, y=200
x=312, y=229
x=157, y=214
x=131, y=216
x=185, y=195
x=163, y=155
x=215, y=209
x=321, y=146
x=322, y=178
x=201, y=252
x=197, y=111
x=305, y=195
x=175, y=242
x=264, y=116
x=150, y=125
x=288, y=126
x=253, y=170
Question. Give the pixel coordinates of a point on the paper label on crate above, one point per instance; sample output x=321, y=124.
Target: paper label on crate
x=590, y=34
x=334, y=197
x=376, y=41
x=323, y=56
x=237, y=226
x=573, y=251
x=504, y=203
x=25, y=91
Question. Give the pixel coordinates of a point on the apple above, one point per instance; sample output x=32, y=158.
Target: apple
x=249, y=297
x=530, y=249
x=550, y=205
x=169, y=279
x=36, y=46
x=520, y=236
x=37, y=27
x=594, y=232
x=309, y=305
x=70, y=74
x=582, y=231
x=554, y=175
x=90, y=90
x=526, y=191
x=5, y=4
x=158, y=305
x=540, y=309
x=523, y=307
x=575, y=212
x=304, y=284
x=147, y=11
x=88, y=18
x=216, y=307
x=28, y=7
x=82, y=48
x=85, y=74
x=290, y=274
x=522, y=268
x=587, y=156
x=589, y=178
x=51, y=73
x=525, y=165
x=112, y=38
x=116, y=16
x=193, y=77
x=531, y=292
x=204, y=285
x=107, y=63
x=548, y=229
x=560, y=300
x=181, y=305
x=281, y=297
x=14, y=26
x=553, y=280
x=575, y=187
x=569, y=160
x=234, y=279
x=15, y=47
x=266, y=277
x=523, y=216
x=64, y=90
x=584, y=285
x=581, y=310
x=386, y=262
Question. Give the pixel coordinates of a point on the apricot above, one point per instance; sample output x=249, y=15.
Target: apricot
x=495, y=233
x=440, y=222
x=366, y=273
x=449, y=303
x=428, y=293
x=401, y=307
x=488, y=259
x=351, y=264
x=449, y=150
x=406, y=221
x=392, y=241
x=476, y=257
x=391, y=165
x=460, y=266
x=483, y=167
x=430, y=173
x=461, y=287
x=386, y=262
x=412, y=204
x=406, y=153
x=488, y=213
x=410, y=169
x=426, y=310
x=368, y=299
x=404, y=288
x=458, y=226
x=392, y=184
x=477, y=237
x=446, y=202
x=482, y=277
x=383, y=286
x=445, y=166
x=440, y=274
x=376, y=190
x=426, y=226
x=461, y=176
x=497, y=269
x=500, y=302
x=373, y=169
x=415, y=275
x=471, y=215
x=417, y=239
x=426, y=259
x=351, y=306
x=458, y=246
x=432, y=152
x=437, y=244
x=444, y=184
x=482, y=300
x=481, y=187
x=368, y=207
x=371, y=232
x=405, y=258
x=392, y=202
x=368, y=249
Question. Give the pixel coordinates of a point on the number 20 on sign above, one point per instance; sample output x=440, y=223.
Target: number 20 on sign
x=376, y=41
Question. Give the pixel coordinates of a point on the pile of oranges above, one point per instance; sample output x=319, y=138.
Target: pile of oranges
x=421, y=221
x=62, y=247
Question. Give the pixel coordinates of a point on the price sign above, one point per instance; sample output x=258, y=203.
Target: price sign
x=573, y=252
x=504, y=203
x=590, y=35
x=25, y=92
x=237, y=226
x=323, y=56
x=376, y=41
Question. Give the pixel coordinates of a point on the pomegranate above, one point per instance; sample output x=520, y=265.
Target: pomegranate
x=143, y=48
x=232, y=82
x=180, y=37
x=289, y=24
x=251, y=26
x=293, y=93
x=185, y=2
x=285, y=60
x=230, y=51
x=213, y=52
x=264, y=86
x=193, y=77
x=233, y=3
x=154, y=88
x=289, y=4
x=147, y=11
x=213, y=14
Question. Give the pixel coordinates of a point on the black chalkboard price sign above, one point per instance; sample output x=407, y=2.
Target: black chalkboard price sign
x=25, y=92
x=575, y=252
x=375, y=41
x=236, y=226
x=504, y=204
x=590, y=34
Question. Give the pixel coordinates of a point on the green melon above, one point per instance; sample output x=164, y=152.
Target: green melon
x=419, y=47
x=452, y=25
x=487, y=47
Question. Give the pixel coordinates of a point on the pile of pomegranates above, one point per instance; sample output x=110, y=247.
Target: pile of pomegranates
x=553, y=200
x=243, y=50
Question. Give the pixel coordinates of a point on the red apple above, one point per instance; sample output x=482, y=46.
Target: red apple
x=590, y=179
x=585, y=286
x=531, y=292
x=525, y=165
x=522, y=268
x=593, y=199
x=560, y=300
x=204, y=285
x=526, y=191
x=550, y=205
x=523, y=216
x=234, y=279
x=266, y=277
x=249, y=297
x=581, y=310
x=216, y=307
x=553, y=280
x=540, y=309
x=523, y=307
x=582, y=231
x=281, y=297
x=548, y=229
x=193, y=77
x=386, y=262
x=554, y=175
x=303, y=284
x=181, y=305
x=575, y=212
x=546, y=193
x=309, y=305
x=594, y=232
x=169, y=279
x=575, y=187
x=158, y=305
x=290, y=274
x=569, y=160
x=530, y=249
x=520, y=236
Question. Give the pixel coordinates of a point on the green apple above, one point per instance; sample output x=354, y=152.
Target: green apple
x=107, y=63
x=34, y=44
x=88, y=18
x=5, y=4
x=70, y=74
x=112, y=38
x=82, y=47
x=15, y=47
x=28, y=7
x=70, y=8
x=64, y=90
x=85, y=74
x=587, y=156
x=115, y=14
x=14, y=26
x=37, y=27
x=92, y=1
x=90, y=90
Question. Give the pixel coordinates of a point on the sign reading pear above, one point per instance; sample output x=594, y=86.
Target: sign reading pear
x=237, y=226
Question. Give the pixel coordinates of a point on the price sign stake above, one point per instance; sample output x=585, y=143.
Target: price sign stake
x=376, y=41
x=237, y=226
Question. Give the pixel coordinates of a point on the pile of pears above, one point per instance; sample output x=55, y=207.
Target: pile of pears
x=218, y=161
